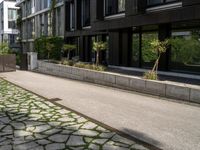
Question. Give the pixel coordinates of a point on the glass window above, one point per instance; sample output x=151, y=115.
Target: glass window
x=121, y=5
x=72, y=15
x=135, y=50
x=114, y=7
x=85, y=13
x=159, y=2
x=75, y=54
x=185, y=50
x=12, y=16
x=11, y=38
x=148, y=55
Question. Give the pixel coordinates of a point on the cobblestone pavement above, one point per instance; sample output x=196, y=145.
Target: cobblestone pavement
x=27, y=121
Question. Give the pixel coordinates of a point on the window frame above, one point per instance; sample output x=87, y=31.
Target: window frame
x=165, y=2
x=117, y=12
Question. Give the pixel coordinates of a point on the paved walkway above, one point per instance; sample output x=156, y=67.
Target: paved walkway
x=28, y=121
x=165, y=124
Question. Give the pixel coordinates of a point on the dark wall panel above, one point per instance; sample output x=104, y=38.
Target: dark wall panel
x=82, y=49
x=131, y=7
x=164, y=32
x=189, y=12
x=126, y=47
x=99, y=9
x=190, y=2
x=87, y=49
x=78, y=15
x=114, y=50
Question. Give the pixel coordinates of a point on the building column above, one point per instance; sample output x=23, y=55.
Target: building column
x=120, y=47
x=126, y=38
x=164, y=32
x=81, y=48
x=87, y=48
x=114, y=48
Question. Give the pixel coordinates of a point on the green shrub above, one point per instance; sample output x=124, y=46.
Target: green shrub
x=68, y=48
x=4, y=49
x=90, y=66
x=41, y=48
x=100, y=68
x=67, y=62
x=79, y=65
x=150, y=75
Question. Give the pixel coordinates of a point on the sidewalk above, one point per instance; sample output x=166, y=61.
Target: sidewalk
x=165, y=124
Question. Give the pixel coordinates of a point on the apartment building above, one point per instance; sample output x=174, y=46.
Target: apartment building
x=129, y=25
x=35, y=20
x=8, y=28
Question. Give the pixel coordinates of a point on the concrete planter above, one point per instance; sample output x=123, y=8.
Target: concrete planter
x=7, y=63
x=158, y=88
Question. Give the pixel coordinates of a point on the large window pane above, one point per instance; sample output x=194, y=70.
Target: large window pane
x=185, y=51
x=159, y=2
x=85, y=13
x=135, y=50
x=12, y=16
x=72, y=15
x=114, y=7
x=121, y=5
x=148, y=55
x=154, y=2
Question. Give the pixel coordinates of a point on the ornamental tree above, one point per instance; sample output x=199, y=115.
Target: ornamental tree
x=68, y=48
x=158, y=47
x=97, y=47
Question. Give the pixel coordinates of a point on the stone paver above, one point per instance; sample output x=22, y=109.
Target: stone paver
x=29, y=122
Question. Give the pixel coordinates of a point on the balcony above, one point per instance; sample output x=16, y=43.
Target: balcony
x=113, y=7
x=151, y=3
x=159, y=5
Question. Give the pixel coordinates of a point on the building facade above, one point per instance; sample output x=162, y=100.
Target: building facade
x=129, y=25
x=8, y=28
x=35, y=20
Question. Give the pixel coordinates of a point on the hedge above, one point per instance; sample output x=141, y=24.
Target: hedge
x=40, y=47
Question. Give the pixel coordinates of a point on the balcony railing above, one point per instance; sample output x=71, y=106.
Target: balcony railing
x=151, y=3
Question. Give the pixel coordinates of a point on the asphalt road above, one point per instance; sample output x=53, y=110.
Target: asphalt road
x=165, y=124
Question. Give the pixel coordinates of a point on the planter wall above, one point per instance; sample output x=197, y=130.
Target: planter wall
x=159, y=88
x=7, y=63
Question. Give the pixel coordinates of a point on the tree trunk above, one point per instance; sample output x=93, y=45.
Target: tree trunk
x=155, y=67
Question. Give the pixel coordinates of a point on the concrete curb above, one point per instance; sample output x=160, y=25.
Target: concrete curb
x=159, y=88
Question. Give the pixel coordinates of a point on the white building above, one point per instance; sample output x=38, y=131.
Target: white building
x=8, y=27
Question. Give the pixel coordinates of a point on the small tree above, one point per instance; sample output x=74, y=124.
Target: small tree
x=68, y=48
x=158, y=47
x=50, y=48
x=97, y=47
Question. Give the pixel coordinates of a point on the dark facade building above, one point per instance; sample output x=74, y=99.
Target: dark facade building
x=129, y=25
